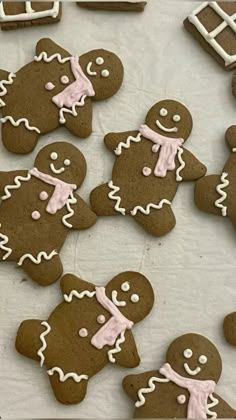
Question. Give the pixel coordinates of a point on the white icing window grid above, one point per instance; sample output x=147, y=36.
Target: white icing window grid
x=30, y=13
x=227, y=20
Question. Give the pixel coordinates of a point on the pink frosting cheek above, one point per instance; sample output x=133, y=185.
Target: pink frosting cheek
x=101, y=319
x=43, y=195
x=35, y=215
x=181, y=399
x=83, y=332
x=49, y=86
x=146, y=171
x=65, y=80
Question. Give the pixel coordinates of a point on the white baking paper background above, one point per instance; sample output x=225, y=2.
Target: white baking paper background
x=193, y=269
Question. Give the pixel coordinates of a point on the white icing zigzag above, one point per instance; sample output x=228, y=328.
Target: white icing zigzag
x=17, y=181
x=126, y=144
x=182, y=164
x=81, y=295
x=18, y=122
x=38, y=259
x=4, y=241
x=43, y=56
x=215, y=402
x=44, y=344
x=116, y=198
x=117, y=348
x=219, y=189
x=150, y=206
x=151, y=387
x=71, y=200
x=71, y=111
x=63, y=377
x=3, y=88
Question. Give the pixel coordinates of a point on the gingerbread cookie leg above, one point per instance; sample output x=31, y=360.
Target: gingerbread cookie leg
x=44, y=272
x=69, y=391
x=28, y=340
x=13, y=128
x=101, y=204
x=159, y=221
x=210, y=194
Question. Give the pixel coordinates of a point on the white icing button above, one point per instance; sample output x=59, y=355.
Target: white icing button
x=134, y=298
x=99, y=61
x=67, y=162
x=54, y=156
x=181, y=399
x=83, y=332
x=147, y=171
x=202, y=359
x=163, y=112
x=176, y=118
x=105, y=73
x=65, y=80
x=43, y=195
x=125, y=286
x=188, y=353
x=35, y=215
x=101, y=319
x=49, y=86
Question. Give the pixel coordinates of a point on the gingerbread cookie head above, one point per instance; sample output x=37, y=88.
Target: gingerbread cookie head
x=132, y=293
x=194, y=356
x=62, y=160
x=105, y=71
x=170, y=118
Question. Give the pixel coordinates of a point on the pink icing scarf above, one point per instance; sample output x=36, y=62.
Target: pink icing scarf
x=199, y=391
x=61, y=193
x=81, y=87
x=114, y=326
x=169, y=147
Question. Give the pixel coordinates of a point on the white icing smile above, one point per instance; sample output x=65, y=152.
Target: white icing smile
x=167, y=130
x=117, y=302
x=89, y=69
x=192, y=372
x=56, y=171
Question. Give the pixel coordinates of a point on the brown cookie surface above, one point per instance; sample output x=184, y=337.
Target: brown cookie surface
x=184, y=387
x=117, y=6
x=230, y=328
x=90, y=328
x=19, y=14
x=213, y=25
x=38, y=208
x=56, y=89
x=149, y=166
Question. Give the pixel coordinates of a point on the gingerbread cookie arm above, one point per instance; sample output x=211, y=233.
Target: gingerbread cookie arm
x=45, y=269
x=218, y=408
x=133, y=383
x=46, y=45
x=230, y=137
x=112, y=140
x=125, y=351
x=157, y=221
x=70, y=283
x=189, y=167
x=230, y=328
x=210, y=194
x=68, y=391
x=29, y=338
x=79, y=123
x=101, y=202
x=83, y=217
x=10, y=180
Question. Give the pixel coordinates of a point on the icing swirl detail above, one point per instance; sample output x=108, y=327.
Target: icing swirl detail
x=222, y=193
x=71, y=200
x=15, y=186
x=44, y=344
x=116, y=198
x=3, y=241
x=43, y=56
x=150, y=388
x=3, y=88
x=179, y=178
x=63, y=377
x=148, y=208
x=78, y=295
x=38, y=259
x=117, y=348
x=16, y=123
x=127, y=143
x=214, y=402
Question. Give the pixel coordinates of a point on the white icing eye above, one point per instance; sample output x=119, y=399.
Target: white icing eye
x=105, y=73
x=134, y=298
x=188, y=353
x=163, y=112
x=99, y=61
x=202, y=359
x=176, y=118
x=67, y=162
x=125, y=286
x=54, y=156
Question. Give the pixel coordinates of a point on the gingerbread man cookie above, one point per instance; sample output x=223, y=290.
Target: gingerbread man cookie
x=55, y=89
x=216, y=193
x=150, y=164
x=92, y=327
x=184, y=387
x=39, y=206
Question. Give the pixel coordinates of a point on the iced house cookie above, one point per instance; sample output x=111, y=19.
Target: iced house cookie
x=184, y=387
x=90, y=328
x=56, y=89
x=114, y=5
x=39, y=207
x=150, y=165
